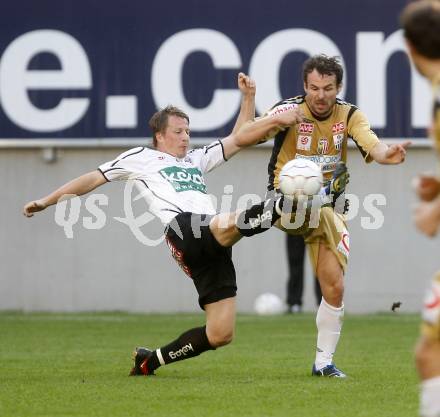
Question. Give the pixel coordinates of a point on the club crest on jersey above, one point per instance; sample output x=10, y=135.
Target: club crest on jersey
x=184, y=179
x=337, y=140
x=431, y=309
x=323, y=146
x=304, y=142
x=344, y=244
x=306, y=128
x=338, y=128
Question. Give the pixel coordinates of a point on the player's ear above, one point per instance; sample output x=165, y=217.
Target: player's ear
x=339, y=88
x=409, y=46
x=412, y=51
x=159, y=137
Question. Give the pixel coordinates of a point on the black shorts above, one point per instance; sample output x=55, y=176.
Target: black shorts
x=201, y=257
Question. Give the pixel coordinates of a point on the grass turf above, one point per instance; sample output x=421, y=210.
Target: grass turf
x=54, y=365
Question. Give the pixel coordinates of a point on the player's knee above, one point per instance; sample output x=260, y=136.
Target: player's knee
x=221, y=338
x=424, y=352
x=333, y=292
x=427, y=357
x=332, y=283
x=338, y=287
x=224, y=230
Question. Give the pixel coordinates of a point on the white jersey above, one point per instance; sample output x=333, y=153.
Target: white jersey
x=170, y=185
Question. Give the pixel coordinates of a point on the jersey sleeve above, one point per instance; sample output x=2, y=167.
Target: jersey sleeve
x=360, y=131
x=208, y=157
x=124, y=167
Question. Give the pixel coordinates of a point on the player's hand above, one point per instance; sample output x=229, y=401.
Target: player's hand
x=246, y=84
x=426, y=186
x=396, y=153
x=427, y=217
x=290, y=117
x=33, y=207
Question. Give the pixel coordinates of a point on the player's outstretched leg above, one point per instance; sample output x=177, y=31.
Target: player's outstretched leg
x=219, y=331
x=229, y=228
x=261, y=217
x=189, y=344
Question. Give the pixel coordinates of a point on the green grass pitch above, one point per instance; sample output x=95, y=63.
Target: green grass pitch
x=54, y=365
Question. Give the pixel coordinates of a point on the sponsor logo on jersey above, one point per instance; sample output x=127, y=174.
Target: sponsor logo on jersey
x=328, y=167
x=306, y=128
x=337, y=140
x=282, y=108
x=326, y=162
x=338, y=128
x=182, y=351
x=304, y=143
x=184, y=179
x=323, y=146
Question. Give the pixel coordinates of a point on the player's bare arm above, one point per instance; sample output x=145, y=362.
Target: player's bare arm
x=427, y=217
x=252, y=132
x=390, y=155
x=79, y=186
x=247, y=110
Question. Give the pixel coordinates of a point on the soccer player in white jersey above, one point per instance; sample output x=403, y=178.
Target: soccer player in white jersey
x=200, y=240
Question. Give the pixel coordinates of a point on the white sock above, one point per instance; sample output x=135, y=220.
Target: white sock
x=329, y=324
x=430, y=397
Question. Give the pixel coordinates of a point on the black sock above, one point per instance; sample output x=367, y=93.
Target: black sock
x=260, y=217
x=189, y=344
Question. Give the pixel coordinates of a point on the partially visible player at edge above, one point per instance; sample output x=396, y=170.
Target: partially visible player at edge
x=421, y=24
x=171, y=179
x=322, y=137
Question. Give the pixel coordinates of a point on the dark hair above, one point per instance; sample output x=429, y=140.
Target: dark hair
x=421, y=26
x=325, y=65
x=159, y=120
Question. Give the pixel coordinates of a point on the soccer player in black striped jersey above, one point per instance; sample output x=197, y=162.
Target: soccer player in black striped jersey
x=421, y=25
x=172, y=181
x=322, y=138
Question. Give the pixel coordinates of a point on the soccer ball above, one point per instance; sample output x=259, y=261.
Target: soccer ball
x=300, y=177
x=268, y=304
